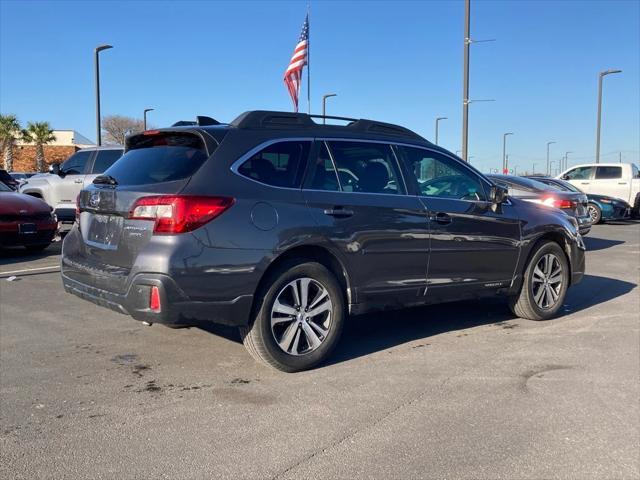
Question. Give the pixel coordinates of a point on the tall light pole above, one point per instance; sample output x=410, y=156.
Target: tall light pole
x=548, y=167
x=438, y=120
x=324, y=105
x=551, y=166
x=465, y=81
x=600, y=77
x=566, y=161
x=504, y=150
x=533, y=170
x=144, y=115
x=98, y=49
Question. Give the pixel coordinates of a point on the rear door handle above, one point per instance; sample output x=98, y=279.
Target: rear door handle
x=338, y=212
x=441, y=218
x=622, y=183
x=584, y=183
x=78, y=181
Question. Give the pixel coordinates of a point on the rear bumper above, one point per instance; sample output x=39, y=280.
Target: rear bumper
x=44, y=235
x=175, y=308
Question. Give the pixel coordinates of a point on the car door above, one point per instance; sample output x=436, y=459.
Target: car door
x=474, y=245
x=581, y=177
x=102, y=160
x=608, y=181
x=358, y=198
x=72, y=173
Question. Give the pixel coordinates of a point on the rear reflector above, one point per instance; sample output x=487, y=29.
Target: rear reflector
x=154, y=299
x=175, y=214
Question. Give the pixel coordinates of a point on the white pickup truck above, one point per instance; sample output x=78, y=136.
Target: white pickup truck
x=61, y=187
x=619, y=180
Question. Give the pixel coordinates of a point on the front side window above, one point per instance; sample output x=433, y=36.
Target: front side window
x=439, y=176
x=366, y=167
x=104, y=159
x=76, y=163
x=579, y=173
x=280, y=164
x=605, y=173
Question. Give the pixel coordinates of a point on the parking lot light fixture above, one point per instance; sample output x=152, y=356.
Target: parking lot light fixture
x=548, y=167
x=324, y=105
x=504, y=151
x=145, y=116
x=600, y=77
x=566, y=161
x=97, y=51
x=438, y=121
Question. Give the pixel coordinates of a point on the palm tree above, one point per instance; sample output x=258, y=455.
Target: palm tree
x=39, y=133
x=9, y=133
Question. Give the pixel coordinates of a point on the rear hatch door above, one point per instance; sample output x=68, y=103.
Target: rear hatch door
x=156, y=163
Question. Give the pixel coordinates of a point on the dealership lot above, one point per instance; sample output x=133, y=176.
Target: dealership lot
x=460, y=390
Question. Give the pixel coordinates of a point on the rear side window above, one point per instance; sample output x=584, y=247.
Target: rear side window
x=157, y=158
x=604, y=173
x=579, y=173
x=104, y=159
x=366, y=167
x=76, y=163
x=281, y=164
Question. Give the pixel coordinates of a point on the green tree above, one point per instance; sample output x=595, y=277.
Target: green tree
x=41, y=134
x=9, y=133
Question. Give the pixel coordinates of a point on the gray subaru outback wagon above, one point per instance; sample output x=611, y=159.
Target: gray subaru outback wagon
x=283, y=227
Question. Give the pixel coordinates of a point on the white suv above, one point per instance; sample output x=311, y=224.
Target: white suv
x=61, y=187
x=618, y=180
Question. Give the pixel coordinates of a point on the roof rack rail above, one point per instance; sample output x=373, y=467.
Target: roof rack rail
x=268, y=119
x=200, y=121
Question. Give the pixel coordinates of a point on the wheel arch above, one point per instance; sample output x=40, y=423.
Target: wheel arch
x=558, y=237
x=319, y=254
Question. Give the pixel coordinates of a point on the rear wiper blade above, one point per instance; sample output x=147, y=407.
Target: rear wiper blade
x=105, y=180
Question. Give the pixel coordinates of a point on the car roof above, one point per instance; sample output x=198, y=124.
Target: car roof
x=302, y=124
x=102, y=147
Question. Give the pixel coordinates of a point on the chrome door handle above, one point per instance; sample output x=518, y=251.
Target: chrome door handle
x=441, y=218
x=622, y=183
x=584, y=183
x=338, y=212
x=78, y=181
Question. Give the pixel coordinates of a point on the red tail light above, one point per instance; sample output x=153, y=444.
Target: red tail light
x=559, y=203
x=175, y=214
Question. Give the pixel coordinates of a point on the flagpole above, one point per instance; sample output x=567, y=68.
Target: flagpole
x=308, y=58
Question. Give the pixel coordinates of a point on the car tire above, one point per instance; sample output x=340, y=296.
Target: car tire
x=37, y=248
x=281, y=336
x=594, y=213
x=532, y=303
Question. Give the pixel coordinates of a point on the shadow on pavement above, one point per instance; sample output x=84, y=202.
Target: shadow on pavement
x=374, y=332
x=13, y=255
x=595, y=243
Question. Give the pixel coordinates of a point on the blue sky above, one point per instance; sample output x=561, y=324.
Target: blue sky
x=395, y=61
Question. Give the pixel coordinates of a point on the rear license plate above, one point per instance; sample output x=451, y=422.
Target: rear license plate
x=104, y=231
x=27, y=228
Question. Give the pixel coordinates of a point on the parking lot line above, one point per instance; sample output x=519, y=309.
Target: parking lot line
x=31, y=271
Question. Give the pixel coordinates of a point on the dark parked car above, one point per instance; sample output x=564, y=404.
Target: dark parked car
x=8, y=180
x=600, y=207
x=25, y=221
x=573, y=204
x=283, y=226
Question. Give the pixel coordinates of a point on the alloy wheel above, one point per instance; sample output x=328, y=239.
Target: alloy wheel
x=301, y=316
x=547, y=281
x=593, y=213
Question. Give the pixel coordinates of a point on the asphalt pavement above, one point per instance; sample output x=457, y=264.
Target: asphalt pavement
x=462, y=390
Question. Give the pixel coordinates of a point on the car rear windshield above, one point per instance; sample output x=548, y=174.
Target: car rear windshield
x=157, y=158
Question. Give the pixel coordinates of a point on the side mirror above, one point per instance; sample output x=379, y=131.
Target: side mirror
x=498, y=194
x=565, y=177
x=54, y=169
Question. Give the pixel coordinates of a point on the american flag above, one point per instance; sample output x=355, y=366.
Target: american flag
x=293, y=74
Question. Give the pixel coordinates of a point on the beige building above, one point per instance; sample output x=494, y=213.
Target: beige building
x=67, y=142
